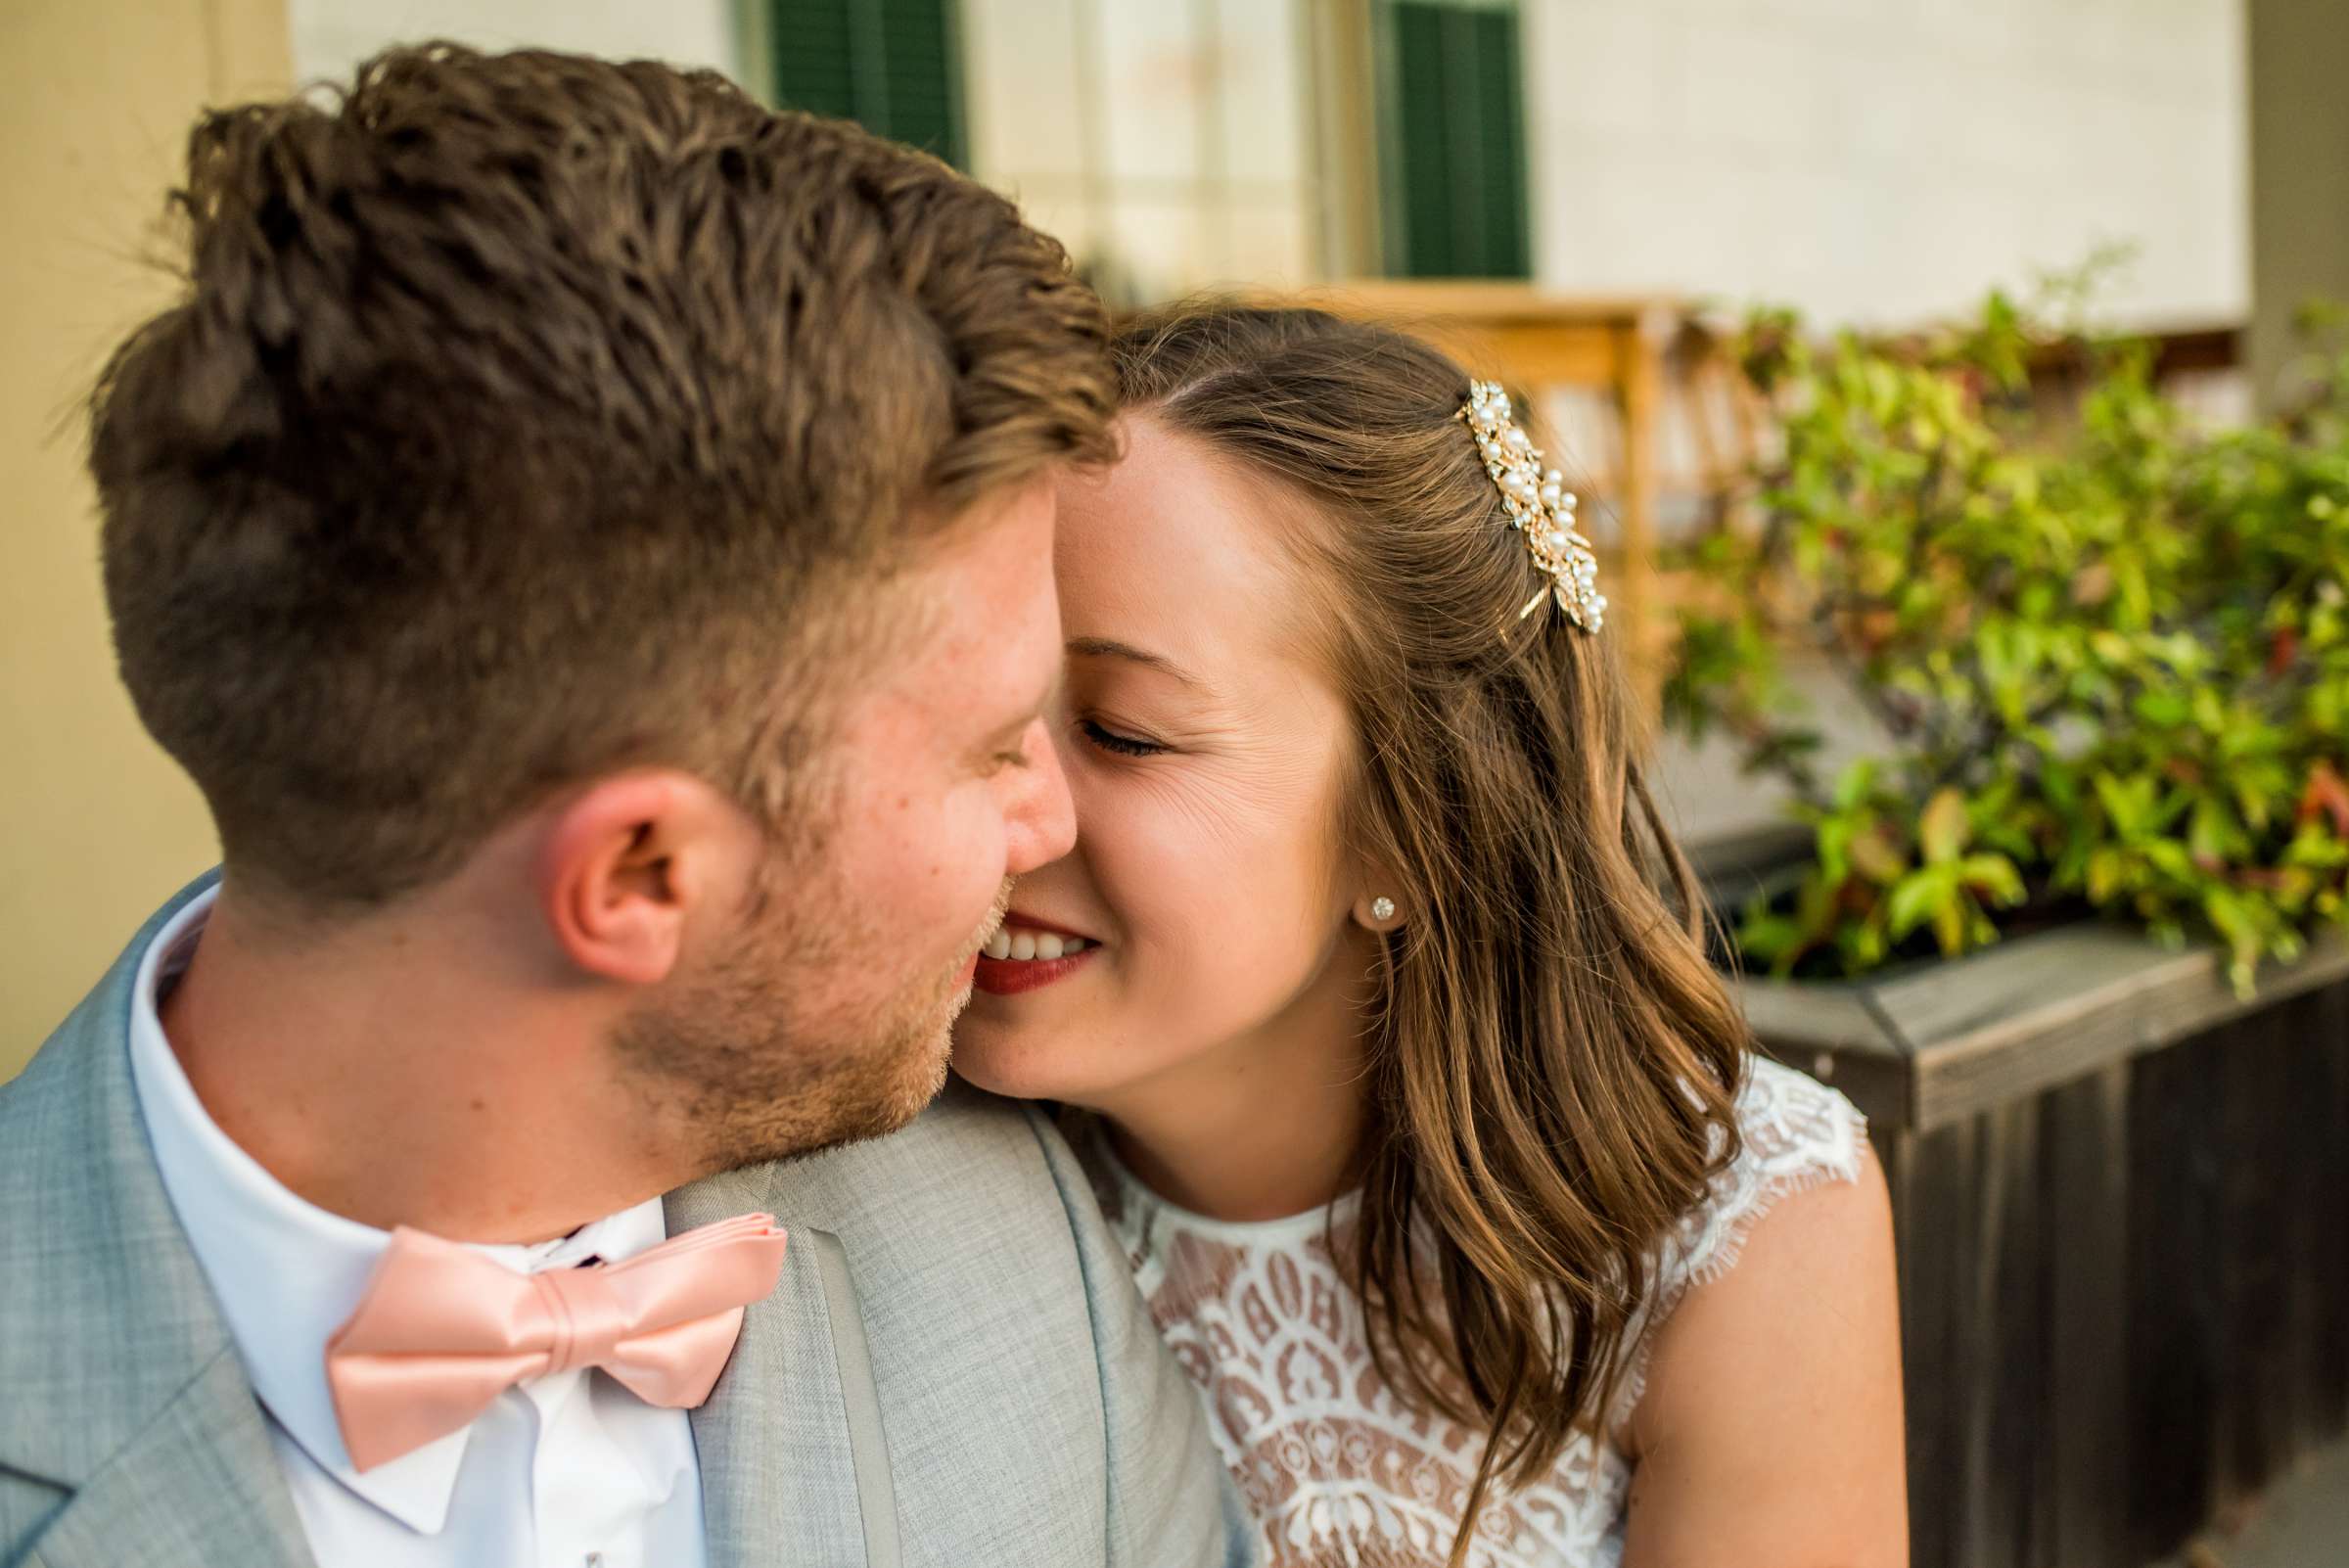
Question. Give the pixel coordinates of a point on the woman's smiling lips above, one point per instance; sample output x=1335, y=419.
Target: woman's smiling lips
x=1028, y=954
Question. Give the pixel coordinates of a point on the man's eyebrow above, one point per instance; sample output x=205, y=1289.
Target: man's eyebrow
x=1111, y=648
x=1017, y=727
x=1011, y=731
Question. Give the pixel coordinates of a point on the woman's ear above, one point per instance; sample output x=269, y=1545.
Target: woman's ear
x=629, y=861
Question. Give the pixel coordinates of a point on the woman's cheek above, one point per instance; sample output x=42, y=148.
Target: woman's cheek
x=1230, y=929
x=1212, y=871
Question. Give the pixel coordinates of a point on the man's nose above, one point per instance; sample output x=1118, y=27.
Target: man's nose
x=1043, y=825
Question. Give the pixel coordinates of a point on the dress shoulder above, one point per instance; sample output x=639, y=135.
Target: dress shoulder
x=1796, y=1134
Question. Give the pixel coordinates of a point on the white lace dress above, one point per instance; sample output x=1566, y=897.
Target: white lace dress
x=1335, y=1468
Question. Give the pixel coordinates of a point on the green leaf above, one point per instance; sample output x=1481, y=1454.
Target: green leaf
x=1853, y=785
x=1765, y=939
x=1832, y=848
x=2127, y=805
x=2170, y=858
x=1949, y=926
x=1945, y=828
x=1994, y=877
x=1874, y=858
x=2214, y=834
x=1915, y=898
x=2235, y=922
x=2107, y=871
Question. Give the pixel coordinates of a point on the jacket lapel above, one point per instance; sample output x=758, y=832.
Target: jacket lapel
x=199, y=1484
x=793, y=1466
x=124, y=1390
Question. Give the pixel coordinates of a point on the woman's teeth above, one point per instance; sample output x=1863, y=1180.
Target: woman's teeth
x=1027, y=944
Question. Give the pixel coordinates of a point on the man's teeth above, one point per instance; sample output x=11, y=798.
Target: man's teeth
x=1027, y=944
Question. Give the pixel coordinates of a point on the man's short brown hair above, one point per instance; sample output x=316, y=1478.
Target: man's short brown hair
x=519, y=414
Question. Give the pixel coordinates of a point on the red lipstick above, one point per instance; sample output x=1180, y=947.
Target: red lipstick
x=1009, y=976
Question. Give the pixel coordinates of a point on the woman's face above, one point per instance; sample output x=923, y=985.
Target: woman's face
x=1206, y=749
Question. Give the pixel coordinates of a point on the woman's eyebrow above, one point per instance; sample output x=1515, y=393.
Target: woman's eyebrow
x=1111, y=648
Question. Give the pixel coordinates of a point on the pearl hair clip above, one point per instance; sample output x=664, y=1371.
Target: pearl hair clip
x=1539, y=505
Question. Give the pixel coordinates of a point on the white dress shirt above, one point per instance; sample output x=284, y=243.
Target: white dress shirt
x=568, y=1471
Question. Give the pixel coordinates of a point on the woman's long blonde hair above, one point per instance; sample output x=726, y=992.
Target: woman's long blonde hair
x=1553, y=1060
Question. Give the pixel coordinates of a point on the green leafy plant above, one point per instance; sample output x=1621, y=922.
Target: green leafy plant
x=2108, y=650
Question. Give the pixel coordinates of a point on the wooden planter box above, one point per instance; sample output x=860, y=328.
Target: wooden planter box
x=2122, y=1200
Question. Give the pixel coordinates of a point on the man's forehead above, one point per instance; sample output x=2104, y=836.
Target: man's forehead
x=977, y=637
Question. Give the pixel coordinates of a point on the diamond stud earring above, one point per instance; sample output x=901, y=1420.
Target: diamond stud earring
x=1382, y=909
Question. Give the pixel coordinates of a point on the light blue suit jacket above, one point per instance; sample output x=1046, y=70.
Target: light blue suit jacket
x=955, y=1368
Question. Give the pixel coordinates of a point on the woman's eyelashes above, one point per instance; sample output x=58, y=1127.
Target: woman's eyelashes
x=1109, y=740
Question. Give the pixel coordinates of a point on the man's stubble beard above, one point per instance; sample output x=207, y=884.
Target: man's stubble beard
x=743, y=1072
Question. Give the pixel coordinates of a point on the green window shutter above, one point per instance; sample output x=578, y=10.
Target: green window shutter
x=893, y=67
x=1457, y=138
x=924, y=77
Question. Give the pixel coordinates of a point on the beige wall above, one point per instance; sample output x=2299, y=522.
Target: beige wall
x=95, y=99
x=331, y=36
x=1883, y=160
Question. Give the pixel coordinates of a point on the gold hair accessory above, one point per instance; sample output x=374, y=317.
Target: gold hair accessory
x=1539, y=506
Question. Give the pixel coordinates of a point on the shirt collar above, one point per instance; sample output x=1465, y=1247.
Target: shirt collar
x=287, y=1273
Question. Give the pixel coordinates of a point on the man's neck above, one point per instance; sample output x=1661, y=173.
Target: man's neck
x=389, y=1077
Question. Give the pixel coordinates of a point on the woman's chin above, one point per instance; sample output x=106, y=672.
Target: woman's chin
x=987, y=1054
x=1018, y=1064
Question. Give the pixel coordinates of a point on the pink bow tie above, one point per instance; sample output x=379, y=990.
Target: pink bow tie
x=442, y=1330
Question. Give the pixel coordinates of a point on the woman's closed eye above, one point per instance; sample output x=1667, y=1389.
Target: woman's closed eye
x=1109, y=740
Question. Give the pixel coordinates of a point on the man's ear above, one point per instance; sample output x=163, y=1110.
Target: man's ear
x=630, y=860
